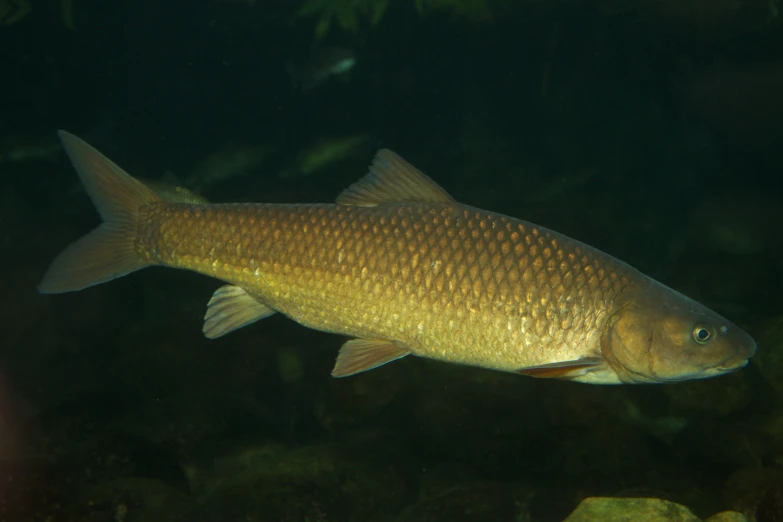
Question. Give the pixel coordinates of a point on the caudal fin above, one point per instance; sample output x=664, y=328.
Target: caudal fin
x=107, y=252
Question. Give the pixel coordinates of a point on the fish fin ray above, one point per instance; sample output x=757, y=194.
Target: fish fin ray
x=360, y=355
x=231, y=308
x=391, y=179
x=108, y=252
x=563, y=369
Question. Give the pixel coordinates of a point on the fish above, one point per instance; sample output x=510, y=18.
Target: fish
x=170, y=189
x=323, y=153
x=11, y=11
x=30, y=152
x=324, y=64
x=402, y=268
x=30, y=148
x=228, y=162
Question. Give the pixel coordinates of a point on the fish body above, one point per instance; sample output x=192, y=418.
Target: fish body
x=11, y=11
x=229, y=162
x=324, y=64
x=169, y=188
x=403, y=268
x=323, y=153
x=444, y=280
x=30, y=148
x=22, y=153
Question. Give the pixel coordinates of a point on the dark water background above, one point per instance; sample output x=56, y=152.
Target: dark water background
x=651, y=130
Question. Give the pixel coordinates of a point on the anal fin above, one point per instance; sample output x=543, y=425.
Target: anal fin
x=563, y=369
x=360, y=355
x=231, y=308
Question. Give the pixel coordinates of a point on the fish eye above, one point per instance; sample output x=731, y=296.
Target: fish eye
x=702, y=333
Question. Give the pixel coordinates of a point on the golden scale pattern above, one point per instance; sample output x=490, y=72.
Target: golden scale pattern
x=440, y=278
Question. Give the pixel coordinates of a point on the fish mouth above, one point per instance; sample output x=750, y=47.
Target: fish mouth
x=733, y=364
x=739, y=360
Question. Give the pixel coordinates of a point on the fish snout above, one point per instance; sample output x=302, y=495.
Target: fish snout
x=740, y=359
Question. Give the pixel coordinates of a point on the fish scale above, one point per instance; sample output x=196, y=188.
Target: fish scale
x=402, y=268
x=448, y=281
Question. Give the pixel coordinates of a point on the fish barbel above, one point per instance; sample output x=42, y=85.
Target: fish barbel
x=402, y=268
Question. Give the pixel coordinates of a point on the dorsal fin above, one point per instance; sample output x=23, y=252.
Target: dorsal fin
x=392, y=179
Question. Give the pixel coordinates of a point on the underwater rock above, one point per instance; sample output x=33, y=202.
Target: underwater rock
x=574, y=405
x=727, y=516
x=477, y=502
x=717, y=397
x=771, y=506
x=718, y=442
x=472, y=417
x=607, y=451
x=190, y=396
x=179, y=421
x=326, y=482
x=349, y=403
x=770, y=428
x=31, y=490
x=770, y=360
x=745, y=489
x=647, y=410
x=630, y=510
x=134, y=499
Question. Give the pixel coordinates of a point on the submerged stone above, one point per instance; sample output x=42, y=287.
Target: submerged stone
x=477, y=502
x=727, y=516
x=770, y=360
x=135, y=499
x=349, y=482
x=746, y=488
x=630, y=510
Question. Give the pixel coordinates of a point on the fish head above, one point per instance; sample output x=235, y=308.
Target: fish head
x=661, y=336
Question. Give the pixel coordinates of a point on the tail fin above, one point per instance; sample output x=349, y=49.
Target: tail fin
x=107, y=252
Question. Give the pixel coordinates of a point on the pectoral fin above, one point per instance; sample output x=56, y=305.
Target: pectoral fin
x=563, y=369
x=360, y=355
x=231, y=308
